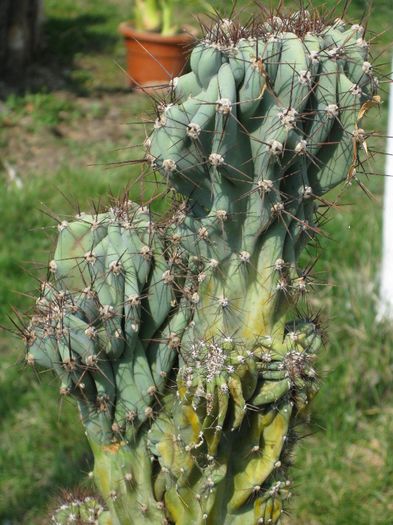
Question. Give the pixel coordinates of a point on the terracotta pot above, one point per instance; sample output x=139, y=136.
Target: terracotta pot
x=152, y=58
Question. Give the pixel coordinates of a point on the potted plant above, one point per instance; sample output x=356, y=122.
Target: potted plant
x=156, y=47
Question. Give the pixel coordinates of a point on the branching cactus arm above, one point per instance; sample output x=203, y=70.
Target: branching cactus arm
x=182, y=340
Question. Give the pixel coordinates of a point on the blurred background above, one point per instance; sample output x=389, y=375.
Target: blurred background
x=68, y=125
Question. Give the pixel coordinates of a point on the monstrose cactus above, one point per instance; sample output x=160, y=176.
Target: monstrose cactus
x=186, y=340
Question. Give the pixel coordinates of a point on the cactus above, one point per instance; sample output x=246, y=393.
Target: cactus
x=187, y=341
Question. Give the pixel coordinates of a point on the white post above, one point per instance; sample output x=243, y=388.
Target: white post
x=385, y=307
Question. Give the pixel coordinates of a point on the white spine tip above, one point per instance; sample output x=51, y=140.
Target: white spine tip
x=107, y=312
x=53, y=266
x=151, y=391
x=367, y=67
x=173, y=343
x=203, y=233
x=360, y=42
x=358, y=28
x=356, y=90
x=339, y=22
x=169, y=165
x=146, y=252
x=223, y=302
x=265, y=186
x=255, y=63
x=332, y=110
x=91, y=360
x=336, y=53
x=195, y=298
x=277, y=208
x=149, y=412
x=91, y=333
x=288, y=118
x=305, y=78
x=224, y=388
x=193, y=130
x=174, y=82
x=224, y=106
x=301, y=147
x=134, y=300
x=279, y=265
x=245, y=256
x=222, y=215
x=168, y=277
x=90, y=257
x=307, y=192
x=115, y=267
x=151, y=160
x=62, y=226
x=215, y=159
x=160, y=122
x=276, y=148
x=201, y=277
x=30, y=359
x=359, y=135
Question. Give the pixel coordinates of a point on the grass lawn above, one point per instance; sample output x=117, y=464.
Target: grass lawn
x=58, y=139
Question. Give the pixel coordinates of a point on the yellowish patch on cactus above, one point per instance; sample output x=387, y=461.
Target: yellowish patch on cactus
x=255, y=471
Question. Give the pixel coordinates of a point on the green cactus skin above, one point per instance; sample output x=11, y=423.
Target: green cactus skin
x=181, y=340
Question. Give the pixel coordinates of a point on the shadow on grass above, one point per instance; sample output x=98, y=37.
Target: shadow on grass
x=63, y=41
x=65, y=37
